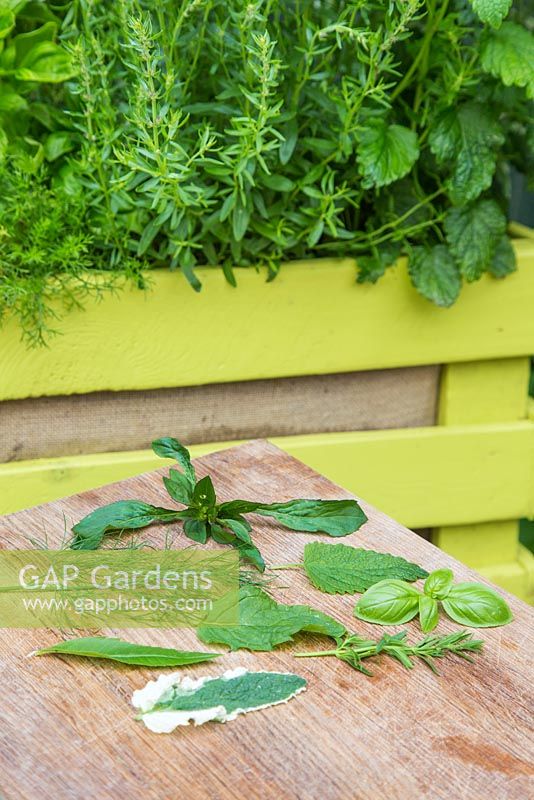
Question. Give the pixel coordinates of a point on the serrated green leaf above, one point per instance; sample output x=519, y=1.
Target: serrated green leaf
x=503, y=259
x=434, y=274
x=491, y=12
x=508, y=54
x=170, y=702
x=339, y=569
x=124, y=515
x=385, y=152
x=126, y=652
x=334, y=517
x=264, y=623
x=473, y=233
x=466, y=139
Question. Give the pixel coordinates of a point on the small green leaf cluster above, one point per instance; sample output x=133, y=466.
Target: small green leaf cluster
x=394, y=602
x=204, y=516
x=222, y=133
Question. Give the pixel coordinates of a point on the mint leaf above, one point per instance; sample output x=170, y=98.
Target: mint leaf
x=126, y=652
x=334, y=517
x=204, y=495
x=386, y=152
x=491, y=11
x=508, y=54
x=120, y=516
x=264, y=623
x=372, y=267
x=476, y=606
x=388, y=602
x=171, y=448
x=435, y=274
x=503, y=259
x=171, y=701
x=473, y=233
x=338, y=569
x=466, y=139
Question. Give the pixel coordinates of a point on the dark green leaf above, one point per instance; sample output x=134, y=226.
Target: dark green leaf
x=338, y=569
x=196, y=530
x=204, y=494
x=435, y=274
x=179, y=486
x=334, y=517
x=171, y=448
x=126, y=652
x=120, y=516
x=264, y=623
x=473, y=233
x=466, y=138
x=503, y=259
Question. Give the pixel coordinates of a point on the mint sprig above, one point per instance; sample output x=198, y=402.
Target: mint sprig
x=203, y=517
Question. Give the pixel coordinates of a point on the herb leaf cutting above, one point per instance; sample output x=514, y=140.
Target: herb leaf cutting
x=125, y=652
x=393, y=602
x=172, y=700
x=339, y=569
x=354, y=649
x=204, y=517
x=264, y=623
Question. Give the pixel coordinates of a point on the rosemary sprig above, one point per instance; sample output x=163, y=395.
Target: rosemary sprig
x=353, y=649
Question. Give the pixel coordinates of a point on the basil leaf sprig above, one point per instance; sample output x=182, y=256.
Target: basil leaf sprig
x=393, y=602
x=354, y=649
x=203, y=517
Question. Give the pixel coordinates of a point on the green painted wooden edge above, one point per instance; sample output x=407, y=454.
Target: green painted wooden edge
x=424, y=477
x=313, y=319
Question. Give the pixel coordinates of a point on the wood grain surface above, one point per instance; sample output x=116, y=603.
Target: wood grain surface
x=67, y=729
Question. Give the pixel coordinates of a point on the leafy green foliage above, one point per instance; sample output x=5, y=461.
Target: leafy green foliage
x=474, y=232
x=386, y=152
x=125, y=652
x=491, y=11
x=229, y=134
x=435, y=274
x=353, y=649
x=392, y=602
x=338, y=569
x=124, y=515
x=264, y=623
x=204, y=517
x=508, y=54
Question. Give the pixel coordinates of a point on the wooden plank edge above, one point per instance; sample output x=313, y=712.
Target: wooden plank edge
x=424, y=477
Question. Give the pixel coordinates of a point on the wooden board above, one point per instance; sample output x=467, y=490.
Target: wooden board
x=68, y=732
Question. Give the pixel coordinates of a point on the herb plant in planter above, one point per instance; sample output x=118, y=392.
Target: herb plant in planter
x=212, y=132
